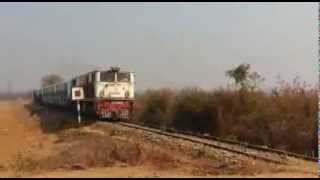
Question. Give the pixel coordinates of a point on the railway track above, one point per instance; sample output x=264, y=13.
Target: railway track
x=257, y=147
x=249, y=150
x=254, y=151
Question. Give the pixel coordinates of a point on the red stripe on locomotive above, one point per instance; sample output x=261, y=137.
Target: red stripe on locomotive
x=112, y=105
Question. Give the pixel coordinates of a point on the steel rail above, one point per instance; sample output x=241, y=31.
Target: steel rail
x=261, y=148
x=190, y=137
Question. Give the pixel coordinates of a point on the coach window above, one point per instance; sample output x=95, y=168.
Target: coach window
x=74, y=82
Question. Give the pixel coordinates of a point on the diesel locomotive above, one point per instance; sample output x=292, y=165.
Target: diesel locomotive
x=108, y=94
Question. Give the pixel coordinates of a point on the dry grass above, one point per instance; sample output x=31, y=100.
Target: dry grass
x=160, y=159
x=89, y=147
x=82, y=150
x=93, y=150
x=24, y=163
x=105, y=151
x=277, y=119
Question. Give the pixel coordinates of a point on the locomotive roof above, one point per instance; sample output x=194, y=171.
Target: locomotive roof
x=67, y=81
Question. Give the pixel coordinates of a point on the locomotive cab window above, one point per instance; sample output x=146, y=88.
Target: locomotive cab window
x=107, y=76
x=123, y=77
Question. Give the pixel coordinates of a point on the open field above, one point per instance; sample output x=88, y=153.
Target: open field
x=49, y=144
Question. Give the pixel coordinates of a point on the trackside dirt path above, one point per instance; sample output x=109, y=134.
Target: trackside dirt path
x=17, y=130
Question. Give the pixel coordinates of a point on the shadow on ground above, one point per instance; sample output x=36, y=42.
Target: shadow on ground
x=53, y=119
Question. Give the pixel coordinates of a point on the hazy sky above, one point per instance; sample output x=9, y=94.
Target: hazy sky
x=165, y=44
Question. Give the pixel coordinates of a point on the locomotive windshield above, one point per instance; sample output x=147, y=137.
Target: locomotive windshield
x=107, y=76
x=123, y=77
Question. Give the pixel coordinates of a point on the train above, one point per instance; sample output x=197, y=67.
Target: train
x=107, y=94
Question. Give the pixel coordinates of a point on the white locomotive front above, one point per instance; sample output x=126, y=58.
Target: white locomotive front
x=114, y=84
x=114, y=93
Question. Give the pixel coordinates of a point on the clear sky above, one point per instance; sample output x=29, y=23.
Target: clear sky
x=165, y=44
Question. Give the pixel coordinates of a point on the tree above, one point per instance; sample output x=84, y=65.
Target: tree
x=244, y=78
x=50, y=79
